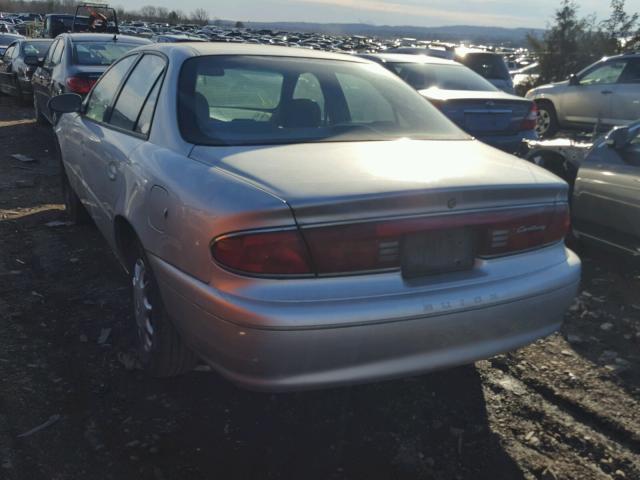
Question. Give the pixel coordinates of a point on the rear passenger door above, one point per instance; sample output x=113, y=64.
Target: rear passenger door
x=117, y=120
x=626, y=94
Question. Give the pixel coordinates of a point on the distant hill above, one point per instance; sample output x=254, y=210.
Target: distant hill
x=458, y=33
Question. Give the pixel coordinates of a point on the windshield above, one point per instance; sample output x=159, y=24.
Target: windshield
x=489, y=65
x=35, y=49
x=244, y=100
x=100, y=53
x=446, y=77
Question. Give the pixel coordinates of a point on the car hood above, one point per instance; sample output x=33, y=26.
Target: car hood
x=355, y=180
x=444, y=95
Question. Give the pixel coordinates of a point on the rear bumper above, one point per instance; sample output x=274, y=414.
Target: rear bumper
x=510, y=143
x=281, y=359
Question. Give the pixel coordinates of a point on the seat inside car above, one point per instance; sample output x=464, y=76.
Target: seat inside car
x=301, y=113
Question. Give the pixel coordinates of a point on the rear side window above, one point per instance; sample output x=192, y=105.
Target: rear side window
x=135, y=91
x=366, y=104
x=105, y=90
x=489, y=65
x=631, y=73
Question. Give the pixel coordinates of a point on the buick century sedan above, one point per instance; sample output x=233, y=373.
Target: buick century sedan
x=299, y=219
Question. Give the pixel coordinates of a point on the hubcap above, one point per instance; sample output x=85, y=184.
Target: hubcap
x=142, y=305
x=543, y=122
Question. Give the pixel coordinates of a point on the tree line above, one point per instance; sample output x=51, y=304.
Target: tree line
x=573, y=42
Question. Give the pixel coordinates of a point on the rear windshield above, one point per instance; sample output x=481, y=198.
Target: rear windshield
x=489, y=65
x=422, y=76
x=245, y=100
x=36, y=49
x=100, y=53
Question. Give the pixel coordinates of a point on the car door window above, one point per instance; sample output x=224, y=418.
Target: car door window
x=6, y=58
x=16, y=52
x=135, y=91
x=57, y=55
x=146, y=116
x=606, y=74
x=52, y=53
x=52, y=49
x=105, y=90
x=308, y=88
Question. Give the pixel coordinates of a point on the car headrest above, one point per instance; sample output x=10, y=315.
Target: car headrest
x=201, y=109
x=301, y=113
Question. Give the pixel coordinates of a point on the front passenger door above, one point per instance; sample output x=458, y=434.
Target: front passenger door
x=590, y=102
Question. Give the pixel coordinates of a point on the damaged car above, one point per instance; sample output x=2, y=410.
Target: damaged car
x=300, y=219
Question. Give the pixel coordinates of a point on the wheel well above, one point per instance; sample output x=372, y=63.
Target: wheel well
x=557, y=164
x=542, y=101
x=126, y=239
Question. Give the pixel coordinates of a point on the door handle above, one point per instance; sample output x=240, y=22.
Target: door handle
x=112, y=171
x=607, y=92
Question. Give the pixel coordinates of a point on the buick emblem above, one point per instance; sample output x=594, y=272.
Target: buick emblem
x=490, y=103
x=452, y=203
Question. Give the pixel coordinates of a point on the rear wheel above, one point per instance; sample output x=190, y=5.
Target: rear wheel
x=547, y=123
x=161, y=351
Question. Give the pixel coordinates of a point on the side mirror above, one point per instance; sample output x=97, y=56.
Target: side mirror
x=573, y=80
x=618, y=138
x=32, y=61
x=65, y=103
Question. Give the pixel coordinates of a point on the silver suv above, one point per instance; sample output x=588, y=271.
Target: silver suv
x=606, y=93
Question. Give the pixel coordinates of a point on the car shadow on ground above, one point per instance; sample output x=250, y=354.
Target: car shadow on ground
x=199, y=425
x=604, y=326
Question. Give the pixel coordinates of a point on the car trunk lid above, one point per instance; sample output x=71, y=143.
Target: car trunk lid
x=481, y=113
x=356, y=181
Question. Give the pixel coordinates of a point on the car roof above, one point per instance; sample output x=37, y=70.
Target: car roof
x=212, y=48
x=96, y=37
x=410, y=58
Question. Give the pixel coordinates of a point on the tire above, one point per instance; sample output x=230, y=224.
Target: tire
x=161, y=351
x=40, y=118
x=547, y=125
x=74, y=209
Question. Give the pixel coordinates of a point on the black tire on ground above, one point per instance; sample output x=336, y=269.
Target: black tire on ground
x=161, y=351
x=40, y=118
x=547, y=125
x=74, y=209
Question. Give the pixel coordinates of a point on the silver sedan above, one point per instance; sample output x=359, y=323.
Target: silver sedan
x=300, y=219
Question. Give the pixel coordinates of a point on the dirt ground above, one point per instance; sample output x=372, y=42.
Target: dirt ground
x=567, y=407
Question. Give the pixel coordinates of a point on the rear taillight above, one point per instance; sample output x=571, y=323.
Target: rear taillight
x=263, y=253
x=377, y=246
x=530, y=121
x=80, y=85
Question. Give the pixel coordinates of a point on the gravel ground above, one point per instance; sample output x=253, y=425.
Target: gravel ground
x=566, y=407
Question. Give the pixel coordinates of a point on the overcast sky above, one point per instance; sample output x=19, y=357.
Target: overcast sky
x=507, y=13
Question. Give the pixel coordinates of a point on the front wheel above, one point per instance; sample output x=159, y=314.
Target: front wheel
x=40, y=118
x=547, y=123
x=161, y=351
x=75, y=210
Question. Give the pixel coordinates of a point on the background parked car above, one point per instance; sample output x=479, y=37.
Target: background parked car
x=606, y=93
x=475, y=105
x=176, y=38
x=18, y=64
x=7, y=39
x=73, y=63
x=487, y=64
x=606, y=194
x=524, y=78
x=413, y=246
